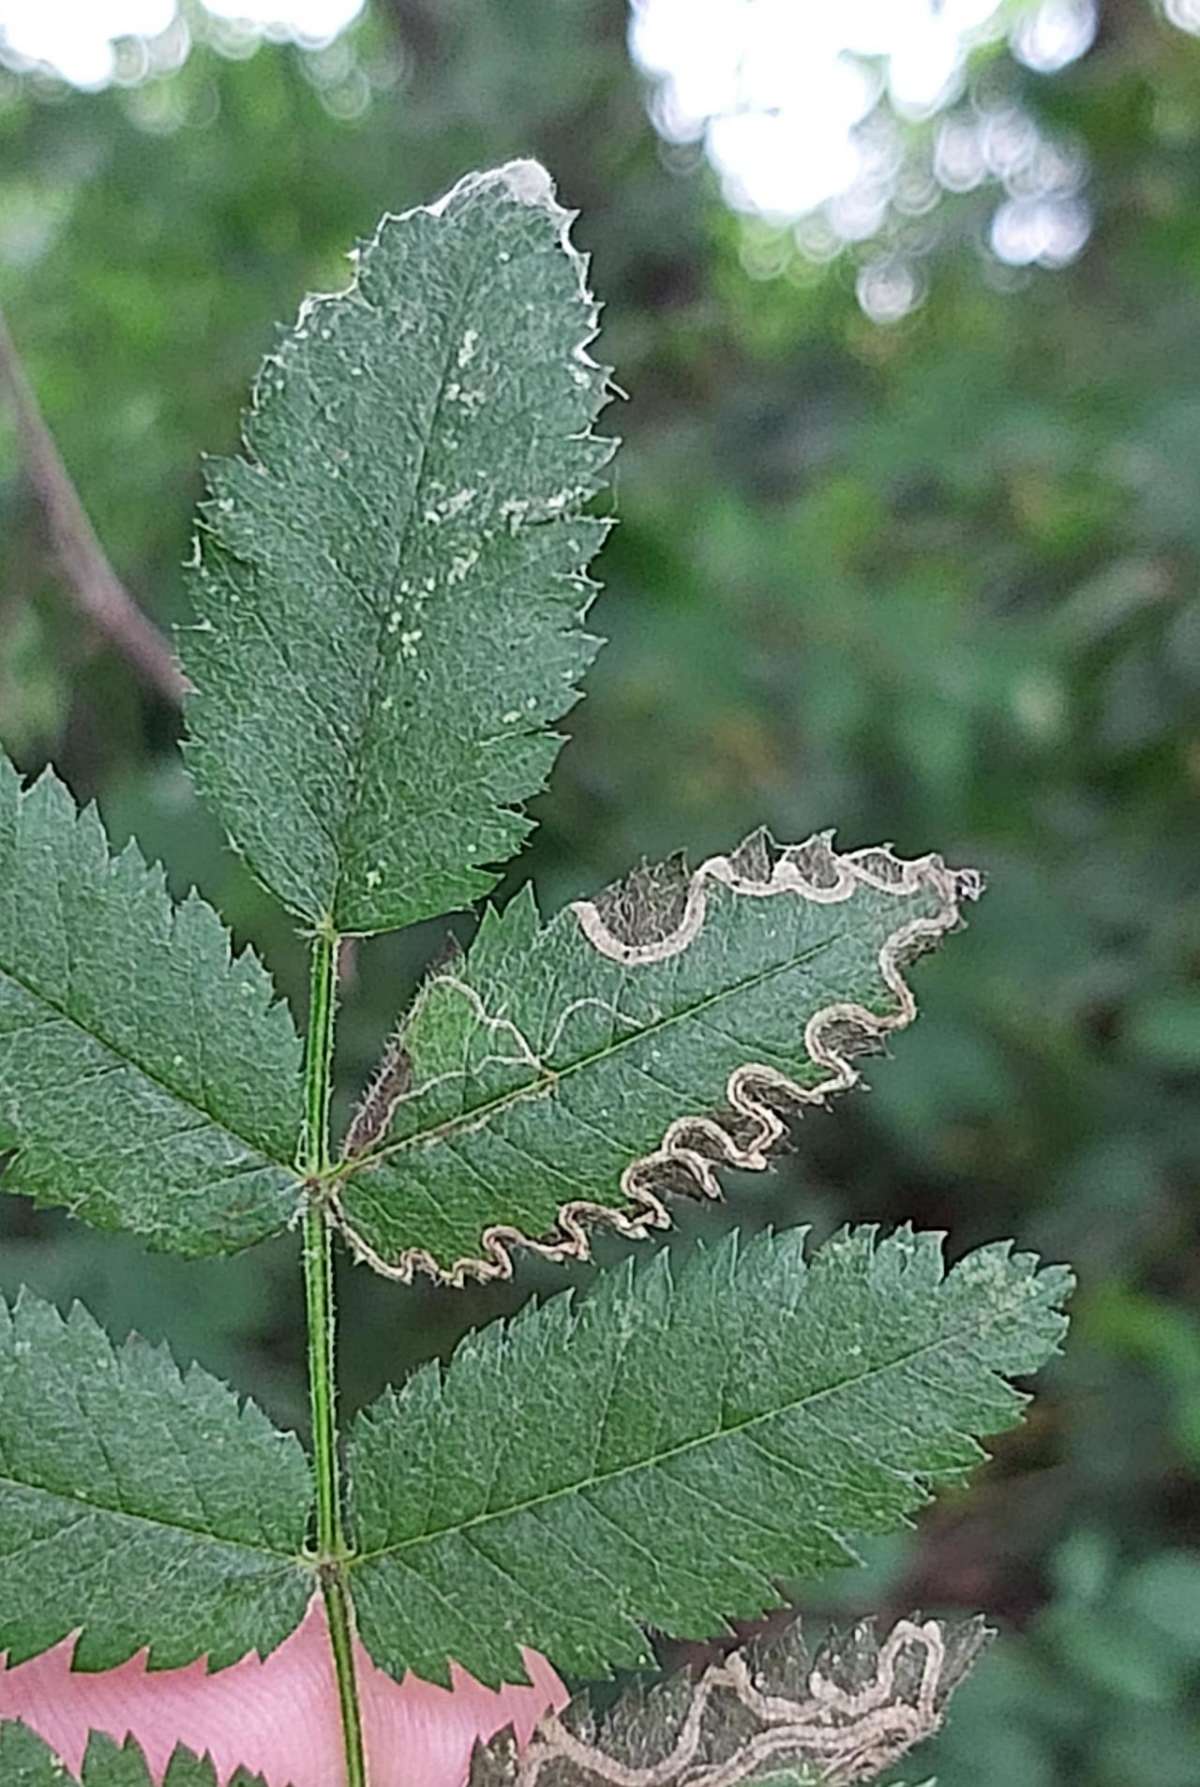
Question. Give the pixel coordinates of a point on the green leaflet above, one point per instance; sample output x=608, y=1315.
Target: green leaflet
x=145, y=1507
x=25, y=1761
x=573, y=1069
x=390, y=582
x=665, y=1451
x=147, y=1081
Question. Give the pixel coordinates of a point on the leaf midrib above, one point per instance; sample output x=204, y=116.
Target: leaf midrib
x=554, y=1076
x=658, y=1460
x=381, y=658
x=140, y=1067
x=152, y=1520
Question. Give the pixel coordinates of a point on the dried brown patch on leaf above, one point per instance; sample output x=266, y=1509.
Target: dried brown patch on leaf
x=387, y=1086
x=841, y=1716
x=649, y=904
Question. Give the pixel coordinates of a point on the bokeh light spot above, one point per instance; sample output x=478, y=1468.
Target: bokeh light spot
x=806, y=115
x=77, y=39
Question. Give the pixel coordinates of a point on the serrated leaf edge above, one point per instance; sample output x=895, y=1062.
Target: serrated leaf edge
x=103, y=1744
x=123, y=1360
x=87, y=823
x=527, y=182
x=813, y=871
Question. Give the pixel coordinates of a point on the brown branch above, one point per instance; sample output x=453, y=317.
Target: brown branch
x=92, y=583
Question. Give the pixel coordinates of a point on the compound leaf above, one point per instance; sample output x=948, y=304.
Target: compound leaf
x=678, y=1442
x=25, y=1761
x=629, y=1047
x=147, y=1080
x=390, y=582
x=138, y=1506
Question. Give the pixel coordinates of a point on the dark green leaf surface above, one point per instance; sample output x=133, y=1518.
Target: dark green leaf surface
x=664, y=1452
x=139, y=1505
x=25, y=1761
x=147, y=1081
x=573, y=1069
x=390, y=582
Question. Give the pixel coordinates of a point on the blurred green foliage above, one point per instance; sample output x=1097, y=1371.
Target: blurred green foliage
x=936, y=583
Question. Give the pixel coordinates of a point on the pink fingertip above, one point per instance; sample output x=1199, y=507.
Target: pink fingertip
x=278, y=1716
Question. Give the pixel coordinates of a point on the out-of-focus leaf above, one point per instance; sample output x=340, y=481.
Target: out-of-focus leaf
x=1166, y=1029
